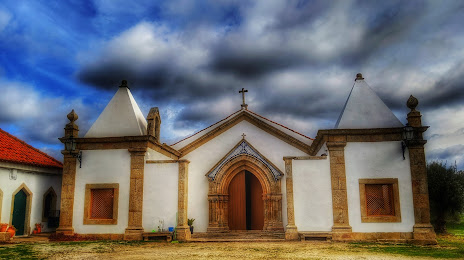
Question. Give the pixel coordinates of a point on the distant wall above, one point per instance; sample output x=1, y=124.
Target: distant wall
x=38, y=183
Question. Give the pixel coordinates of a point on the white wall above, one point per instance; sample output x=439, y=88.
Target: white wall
x=312, y=195
x=206, y=156
x=38, y=184
x=160, y=194
x=102, y=166
x=378, y=160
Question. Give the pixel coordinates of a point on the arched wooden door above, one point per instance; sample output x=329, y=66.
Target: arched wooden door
x=246, y=207
x=19, y=212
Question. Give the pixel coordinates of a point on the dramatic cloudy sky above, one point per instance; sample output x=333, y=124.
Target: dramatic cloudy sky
x=298, y=59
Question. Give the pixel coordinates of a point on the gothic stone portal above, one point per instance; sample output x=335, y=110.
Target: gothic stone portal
x=232, y=178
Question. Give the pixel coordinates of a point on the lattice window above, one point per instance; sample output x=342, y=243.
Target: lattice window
x=102, y=203
x=379, y=200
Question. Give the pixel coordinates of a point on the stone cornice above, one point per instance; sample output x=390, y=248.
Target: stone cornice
x=125, y=142
x=356, y=135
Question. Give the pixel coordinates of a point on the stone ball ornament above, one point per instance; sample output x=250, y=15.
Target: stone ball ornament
x=412, y=103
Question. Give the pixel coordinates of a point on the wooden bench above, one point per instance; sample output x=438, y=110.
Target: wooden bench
x=166, y=235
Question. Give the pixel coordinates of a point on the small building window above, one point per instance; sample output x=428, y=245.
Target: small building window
x=379, y=200
x=101, y=204
x=49, y=204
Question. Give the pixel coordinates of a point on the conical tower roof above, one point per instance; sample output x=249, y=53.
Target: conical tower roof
x=121, y=117
x=364, y=109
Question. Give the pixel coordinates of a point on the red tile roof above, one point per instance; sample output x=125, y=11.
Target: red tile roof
x=14, y=150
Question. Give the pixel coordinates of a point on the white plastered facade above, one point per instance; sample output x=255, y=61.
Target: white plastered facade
x=38, y=180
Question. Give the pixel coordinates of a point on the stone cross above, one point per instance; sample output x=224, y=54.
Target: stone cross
x=243, y=95
x=243, y=135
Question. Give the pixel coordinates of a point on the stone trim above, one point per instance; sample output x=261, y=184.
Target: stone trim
x=31, y=169
x=237, y=119
x=164, y=161
x=183, y=230
x=396, y=201
x=88, y=188
x=338, y=180
x=305, y=157
x=355, y=135
x=27, y=221
x=291, y=232
x=134, y=228
x=67, y=194
x=53, y=203
x=125, y=142
x=404, y=237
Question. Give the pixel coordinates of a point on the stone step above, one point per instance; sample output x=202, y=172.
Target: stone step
x=319, y=236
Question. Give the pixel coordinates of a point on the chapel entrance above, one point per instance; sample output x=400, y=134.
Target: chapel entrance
x=19, y=212
x=246, y=207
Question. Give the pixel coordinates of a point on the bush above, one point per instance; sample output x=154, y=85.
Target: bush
x=446, y=192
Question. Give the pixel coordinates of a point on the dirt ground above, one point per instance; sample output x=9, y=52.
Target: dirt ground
x=191, y=251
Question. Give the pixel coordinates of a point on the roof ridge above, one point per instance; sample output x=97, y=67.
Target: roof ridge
x=30, y=146
x=280, y=125
x=205, y=128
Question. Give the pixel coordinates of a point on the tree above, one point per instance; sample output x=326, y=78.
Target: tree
x=446, y=192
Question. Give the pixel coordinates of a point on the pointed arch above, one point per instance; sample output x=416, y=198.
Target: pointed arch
x=27, y=221
x=48, y=203
x=218, y=196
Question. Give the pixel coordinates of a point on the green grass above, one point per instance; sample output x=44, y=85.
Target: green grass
x=456, y=229
x=18, y=252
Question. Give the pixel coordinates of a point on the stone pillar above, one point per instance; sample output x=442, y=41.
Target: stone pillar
x=423, y=230
x=134, y=228
x=339, y=196
x=68, y=178
x=183, y=230
x=291, y=232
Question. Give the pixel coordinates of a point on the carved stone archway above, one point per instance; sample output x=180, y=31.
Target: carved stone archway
x=218, y=196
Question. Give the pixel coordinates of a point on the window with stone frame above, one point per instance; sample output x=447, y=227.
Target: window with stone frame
x=379, y=200
x=101, y=204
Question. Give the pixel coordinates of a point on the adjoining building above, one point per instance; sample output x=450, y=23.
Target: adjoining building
x=363, y=180
x=30, y=186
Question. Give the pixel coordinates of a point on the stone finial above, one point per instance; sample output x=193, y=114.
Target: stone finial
x=72, y=116
x=412, y=103
x=359, y=76
x=71, y=128
x=124, y=84
x=154, y=123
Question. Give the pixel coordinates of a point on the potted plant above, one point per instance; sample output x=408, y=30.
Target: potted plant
x=12, y=231
x=38, y=227
x=3, y=227
x=190, y=223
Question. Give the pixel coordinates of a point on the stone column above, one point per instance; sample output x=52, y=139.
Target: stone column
x=183, y=230
x=291, y=232
x=339, y=195
x=423, y=230
x=134, y=228
x=68, y=178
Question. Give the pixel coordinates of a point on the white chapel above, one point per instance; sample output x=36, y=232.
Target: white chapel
x=365, y=179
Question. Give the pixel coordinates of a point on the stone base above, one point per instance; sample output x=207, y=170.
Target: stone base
x=217, y=229
x=291, y=233
x=183, y=233
x=68, y=231
x=133, y=234
x=5, y=236
x=424, y=234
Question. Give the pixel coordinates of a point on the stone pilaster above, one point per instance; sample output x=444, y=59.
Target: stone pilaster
x=183, y=230
x=67, y=194
x=291, y=232
x=422, y=230
x=68, y=178
x=339, y=195
x=134, y=229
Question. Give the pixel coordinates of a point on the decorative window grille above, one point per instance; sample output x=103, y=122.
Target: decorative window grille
x=379, y=200
x=101, y=203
